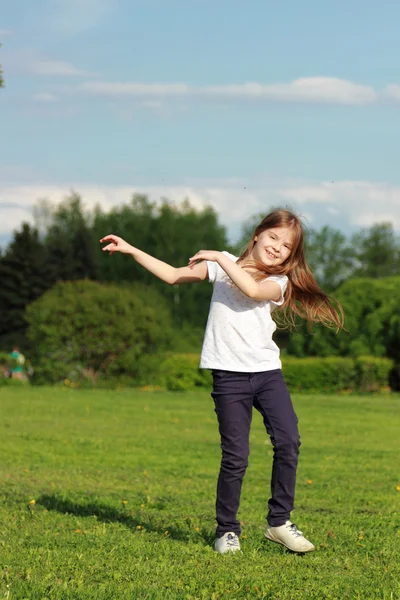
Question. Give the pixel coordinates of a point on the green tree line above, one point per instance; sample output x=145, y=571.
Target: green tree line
x=63, y=245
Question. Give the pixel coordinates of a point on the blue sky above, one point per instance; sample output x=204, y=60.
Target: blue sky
x=242, y=105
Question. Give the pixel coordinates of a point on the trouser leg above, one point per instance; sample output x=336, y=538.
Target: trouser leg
x=274, y=403
x=233, y=398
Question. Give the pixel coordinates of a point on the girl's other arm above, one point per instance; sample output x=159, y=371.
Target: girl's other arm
x=266, y=290
x=160, y=269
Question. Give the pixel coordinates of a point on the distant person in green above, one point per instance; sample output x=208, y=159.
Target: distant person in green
x=16, y=370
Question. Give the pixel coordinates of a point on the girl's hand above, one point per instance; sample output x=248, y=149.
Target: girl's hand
x=117, y=245
x=212, y=255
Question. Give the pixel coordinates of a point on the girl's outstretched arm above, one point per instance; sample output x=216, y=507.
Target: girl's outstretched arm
x=160, y=269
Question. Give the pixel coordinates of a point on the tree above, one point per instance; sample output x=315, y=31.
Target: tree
x=171, y=233
x=25, y=276
x=371, y=322
x=70, y=248
x=330, y=256
x=377, y=251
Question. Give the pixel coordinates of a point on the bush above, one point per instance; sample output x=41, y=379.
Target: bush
x=5, y=361
x=87, y=333
x=330, y=374
x=10, y=381
x=373, y=373
x=335, y=374
x=180, y=372
x=305, y=375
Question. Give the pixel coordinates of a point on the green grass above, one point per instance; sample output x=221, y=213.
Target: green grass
x=124, y=489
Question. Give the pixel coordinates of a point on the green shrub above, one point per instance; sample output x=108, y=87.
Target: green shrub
x=5, y=361
x=180, y=372
x=328, y=374
x=373, y=373
x=336, y=374
x=10, y=381
x=86, y=333
x=149, y=369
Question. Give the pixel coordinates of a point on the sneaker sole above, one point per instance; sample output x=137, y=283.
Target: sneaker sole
x=227, y=551
x=276, y=541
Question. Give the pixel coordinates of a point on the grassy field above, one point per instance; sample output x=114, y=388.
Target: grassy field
x=110, y=495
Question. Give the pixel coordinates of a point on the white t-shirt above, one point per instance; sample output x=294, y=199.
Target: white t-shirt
x=238, y=335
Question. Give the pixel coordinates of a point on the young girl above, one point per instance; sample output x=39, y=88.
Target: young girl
x=239, y=349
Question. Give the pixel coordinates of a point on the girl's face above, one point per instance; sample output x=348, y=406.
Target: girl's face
x=273, y=246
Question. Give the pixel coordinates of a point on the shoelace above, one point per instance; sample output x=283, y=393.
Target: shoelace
x=232, y=541
x=294, y=531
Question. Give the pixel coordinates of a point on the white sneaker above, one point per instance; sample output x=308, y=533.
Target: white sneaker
x=288, y=535
x=229, y=542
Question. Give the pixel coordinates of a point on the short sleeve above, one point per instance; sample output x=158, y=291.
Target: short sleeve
x=214, y=270
x=212, y=267
x=283, y=281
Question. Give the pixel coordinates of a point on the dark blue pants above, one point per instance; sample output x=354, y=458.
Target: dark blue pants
x=234, y=396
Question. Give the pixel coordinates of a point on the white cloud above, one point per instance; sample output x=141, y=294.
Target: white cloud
x=34, y=63
x=332, y=210
x=342, y=204
x=393, y=91
x=306, y=89
x=12, y=215
x=44, y=97
x=55, y=68
x=104, y=88
x=310, y=89
x=16, y=201
x=361, y=203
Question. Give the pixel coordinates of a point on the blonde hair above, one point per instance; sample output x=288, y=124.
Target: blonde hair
x=303, y=296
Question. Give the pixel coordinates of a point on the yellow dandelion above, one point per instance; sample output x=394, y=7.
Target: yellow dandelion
x=32, y=502
x=124, y=502
x=398, y=488
x=78, y=531
x=309, y=481
x=139, y=526
x=197, y=528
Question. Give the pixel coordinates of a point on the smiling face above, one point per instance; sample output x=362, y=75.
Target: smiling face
x=273, y=246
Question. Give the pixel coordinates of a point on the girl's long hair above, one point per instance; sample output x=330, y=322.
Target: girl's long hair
x=303, y=296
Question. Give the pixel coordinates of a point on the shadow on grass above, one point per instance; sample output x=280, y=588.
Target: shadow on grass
x=183, y=531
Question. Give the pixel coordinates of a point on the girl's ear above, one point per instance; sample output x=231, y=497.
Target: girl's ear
x=256, y=238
